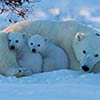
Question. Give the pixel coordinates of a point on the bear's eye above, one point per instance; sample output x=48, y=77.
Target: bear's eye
x=31, y=43
x=38, y=45
x=9, y=40
x=96, y=55
x=84, y=51
x=16, y=41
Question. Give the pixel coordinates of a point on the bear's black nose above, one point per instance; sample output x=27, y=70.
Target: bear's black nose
x=85, y=68
x=12, y=47
x=33, y=50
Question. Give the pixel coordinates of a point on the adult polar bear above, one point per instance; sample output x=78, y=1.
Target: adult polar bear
x=61, y=33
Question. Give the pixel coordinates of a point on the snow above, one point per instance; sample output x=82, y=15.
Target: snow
x=56, y=85
x=60, y=84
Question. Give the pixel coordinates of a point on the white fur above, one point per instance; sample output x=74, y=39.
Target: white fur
x=25, y=58
x=8, y=66
x=54, y=58
x=60, y=33
x=87, y=50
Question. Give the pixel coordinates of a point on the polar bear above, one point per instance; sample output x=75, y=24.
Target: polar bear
x=87, y=50
x=8, y=66
x=54, y=58
x=60, y=33
x=32, y=62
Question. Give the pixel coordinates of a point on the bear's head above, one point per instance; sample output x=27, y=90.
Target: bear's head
x=37, y=43
x=15, y=40
x=87, y=50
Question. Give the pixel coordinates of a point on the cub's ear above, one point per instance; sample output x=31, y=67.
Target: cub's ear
x=29, y=35
x=80, y=36
x=24, y=34
x=45, y=39
x=8, y=33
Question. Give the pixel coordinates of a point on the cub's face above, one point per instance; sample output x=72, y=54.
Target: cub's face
x=37, y=43
x=87, y=50
x=15, y=40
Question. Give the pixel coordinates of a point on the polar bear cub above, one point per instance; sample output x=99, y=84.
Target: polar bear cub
x=32, y=62
x=54, y=58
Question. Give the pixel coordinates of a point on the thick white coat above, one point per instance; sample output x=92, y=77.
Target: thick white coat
x=32, y=62
x=60, y=33
x=54, y=58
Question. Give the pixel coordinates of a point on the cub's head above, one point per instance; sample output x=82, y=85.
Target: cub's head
x=15, y=40
x=37, y=43
x=87, y=50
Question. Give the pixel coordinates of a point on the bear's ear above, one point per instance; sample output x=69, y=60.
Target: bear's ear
x=79, y=36
x=45, y=39
x=8, y=33
x=29, y=35
x=24, y=34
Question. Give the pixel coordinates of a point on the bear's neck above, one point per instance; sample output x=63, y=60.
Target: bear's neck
x=22, y=51
x=47, y=51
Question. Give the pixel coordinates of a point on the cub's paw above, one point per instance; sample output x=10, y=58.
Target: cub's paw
x=23, y=72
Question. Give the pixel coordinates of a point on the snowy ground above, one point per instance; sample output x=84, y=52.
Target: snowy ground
x=62, y=84
x=57, y=85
